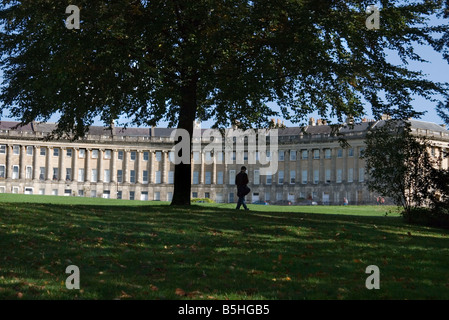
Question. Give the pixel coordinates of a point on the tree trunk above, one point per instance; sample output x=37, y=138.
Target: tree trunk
x=187, y=115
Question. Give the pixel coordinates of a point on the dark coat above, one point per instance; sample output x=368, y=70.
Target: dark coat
x=241, y=180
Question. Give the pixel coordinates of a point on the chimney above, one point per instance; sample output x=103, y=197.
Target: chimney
x=364, y=120
x=319, y=122
x=311, y=122
x=443, y=126
x=385, y=117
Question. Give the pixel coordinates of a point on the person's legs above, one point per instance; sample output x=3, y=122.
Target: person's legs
x=244, y=203
x=239, y=203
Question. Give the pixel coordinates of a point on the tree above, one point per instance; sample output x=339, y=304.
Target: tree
x=210, y=59
x=399, y=164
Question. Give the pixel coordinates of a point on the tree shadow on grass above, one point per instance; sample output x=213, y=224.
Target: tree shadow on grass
x=205, y=252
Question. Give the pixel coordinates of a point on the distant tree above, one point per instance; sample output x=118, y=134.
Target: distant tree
x=223, y=60
x=399, y=165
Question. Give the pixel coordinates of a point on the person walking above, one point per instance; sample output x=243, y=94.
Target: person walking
x=241, y=180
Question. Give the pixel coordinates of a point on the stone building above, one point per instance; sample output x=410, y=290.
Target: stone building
x=137, y=164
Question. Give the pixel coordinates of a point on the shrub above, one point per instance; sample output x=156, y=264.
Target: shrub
x=202, y=200
x=433, y=217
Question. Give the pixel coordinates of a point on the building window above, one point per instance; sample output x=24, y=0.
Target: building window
x=106, y=194
x=171, y=177
x=94, y=175
x=95, y=154
x=231, y=176
x=55, y=152
x=292, y=155
x=158, y=155
x=171, y=156
x=278, y=196
x=196, y=176
x=82, y=153
x=144, y=196
x=327, y=154
x=107, y=176
x=120, y=155
x=350, y=152
x=340, y=153
x=281, y=177
x=304, y=154
x=2, y=149
x=269, y=178
x=157, y=196
x=68, y=174
x=220, y=177
x=133, y=155
x=256, y=178
x=316, y=176
x=145, y=176
x=108, y=154
x=132, y=176
x=29, y=173
x=42, y=192
x=339, y=175
x=194, y=194
x=42, y=173
x=55, y=174
x=361, y=152
x=292, y=176
x=327, y=176
x=81, y=175
x=30, y=150
x=350, y=175
x=132, y=195
x=208, y=177
x=119, y=176
x=119, y=194
x=316, y=154
x=158, y=177
x=169, y=196
x=281, y=155
x=15, y=150
x=69, y=153
x=207, y=195
x=361, y=174
x=43, y=151
x=146, y=156
x=304, y=177
x=54, y=192
x=2, y=171
x=15, y=172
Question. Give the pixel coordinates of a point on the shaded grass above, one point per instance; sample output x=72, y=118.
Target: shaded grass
x=141, y=251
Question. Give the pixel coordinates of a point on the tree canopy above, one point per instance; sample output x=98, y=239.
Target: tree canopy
x=215, y=60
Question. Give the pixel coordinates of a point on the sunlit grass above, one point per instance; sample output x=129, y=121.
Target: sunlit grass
x=150, y=250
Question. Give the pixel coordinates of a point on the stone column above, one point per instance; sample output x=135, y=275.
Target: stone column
x=36, y=152
x=164, y=173
x=125, y=168
x=87, y=173
x=48, y=168
x=22, y=162
x=202, y=173
x=61, y=163
x=8, y=161
x=139, y=167
x=75, y=153
x=113, y=165
x=100, y=165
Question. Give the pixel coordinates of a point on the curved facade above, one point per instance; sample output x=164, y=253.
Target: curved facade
x=135, y=163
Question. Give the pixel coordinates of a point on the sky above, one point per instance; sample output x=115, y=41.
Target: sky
x=437, y=69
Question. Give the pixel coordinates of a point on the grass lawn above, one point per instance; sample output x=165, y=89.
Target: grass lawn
x=149, y=250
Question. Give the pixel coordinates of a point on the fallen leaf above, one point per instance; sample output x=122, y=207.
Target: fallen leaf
x=180, y=292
